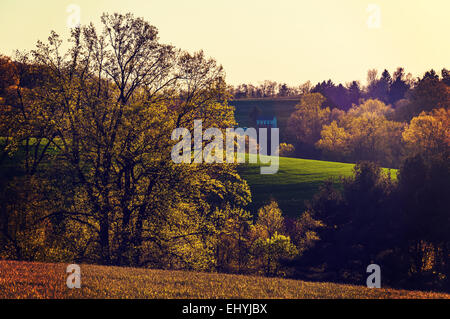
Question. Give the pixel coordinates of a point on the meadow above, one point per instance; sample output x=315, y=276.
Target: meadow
x=297, y=180
x=44, y=280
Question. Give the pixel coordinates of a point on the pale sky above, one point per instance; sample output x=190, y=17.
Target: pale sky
x=286, y=40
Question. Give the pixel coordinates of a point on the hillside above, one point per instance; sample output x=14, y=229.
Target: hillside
x=296, y=181
x=42, y=280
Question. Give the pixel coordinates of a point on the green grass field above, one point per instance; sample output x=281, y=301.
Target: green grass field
x=42, y=280
x=296, y=181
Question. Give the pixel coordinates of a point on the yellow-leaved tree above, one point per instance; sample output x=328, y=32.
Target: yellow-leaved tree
x=96, y=124
x=429, y=133
x=305, y=124
x=365, y=132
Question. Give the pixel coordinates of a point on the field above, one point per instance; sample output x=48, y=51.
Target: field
x=296, y=181
x=41, y=280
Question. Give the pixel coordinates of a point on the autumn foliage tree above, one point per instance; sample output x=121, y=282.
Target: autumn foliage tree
x=101, y=118
x=270, y=244
x=365, y=132
x=429, y=133
x=306, y=123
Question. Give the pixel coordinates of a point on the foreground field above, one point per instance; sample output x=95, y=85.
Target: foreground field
x=41, y=280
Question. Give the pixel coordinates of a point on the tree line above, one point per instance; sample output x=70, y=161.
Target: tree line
x=390, y=89
x=373, y=129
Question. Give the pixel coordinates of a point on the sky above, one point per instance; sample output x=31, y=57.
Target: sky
x=288, y=41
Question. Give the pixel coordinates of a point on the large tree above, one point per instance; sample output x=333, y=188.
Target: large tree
x=103, y=116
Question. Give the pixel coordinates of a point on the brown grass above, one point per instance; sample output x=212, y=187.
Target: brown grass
x=42, y=280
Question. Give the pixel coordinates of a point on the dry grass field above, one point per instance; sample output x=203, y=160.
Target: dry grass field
x=42, y=280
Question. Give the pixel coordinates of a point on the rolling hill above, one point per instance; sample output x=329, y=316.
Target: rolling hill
x=296, y=181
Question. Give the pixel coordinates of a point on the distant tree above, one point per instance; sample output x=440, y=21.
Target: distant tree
x=354, y=93
x=328, y=90
x=399, y=86
x=370, y=108
x=7, y=77
x=270, y=246
x=446, y=76
x=286, y=150
x=340, y=97
x=379, y=89
x=372, y=77
x=304, y=233
x=241, y=91
x=270, y=220
x=429, y=134
x=268, y=88
x=428, y=94
x=305, y=124
x=334, y=142
x=283, y=90
x=363, y=133
x=305, y=87
x=430, y=75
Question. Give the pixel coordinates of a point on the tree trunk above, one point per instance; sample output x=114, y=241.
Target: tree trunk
x=104, y=239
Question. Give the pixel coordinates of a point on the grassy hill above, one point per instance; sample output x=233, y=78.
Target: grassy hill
x=296, y=181
x=42, y=280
